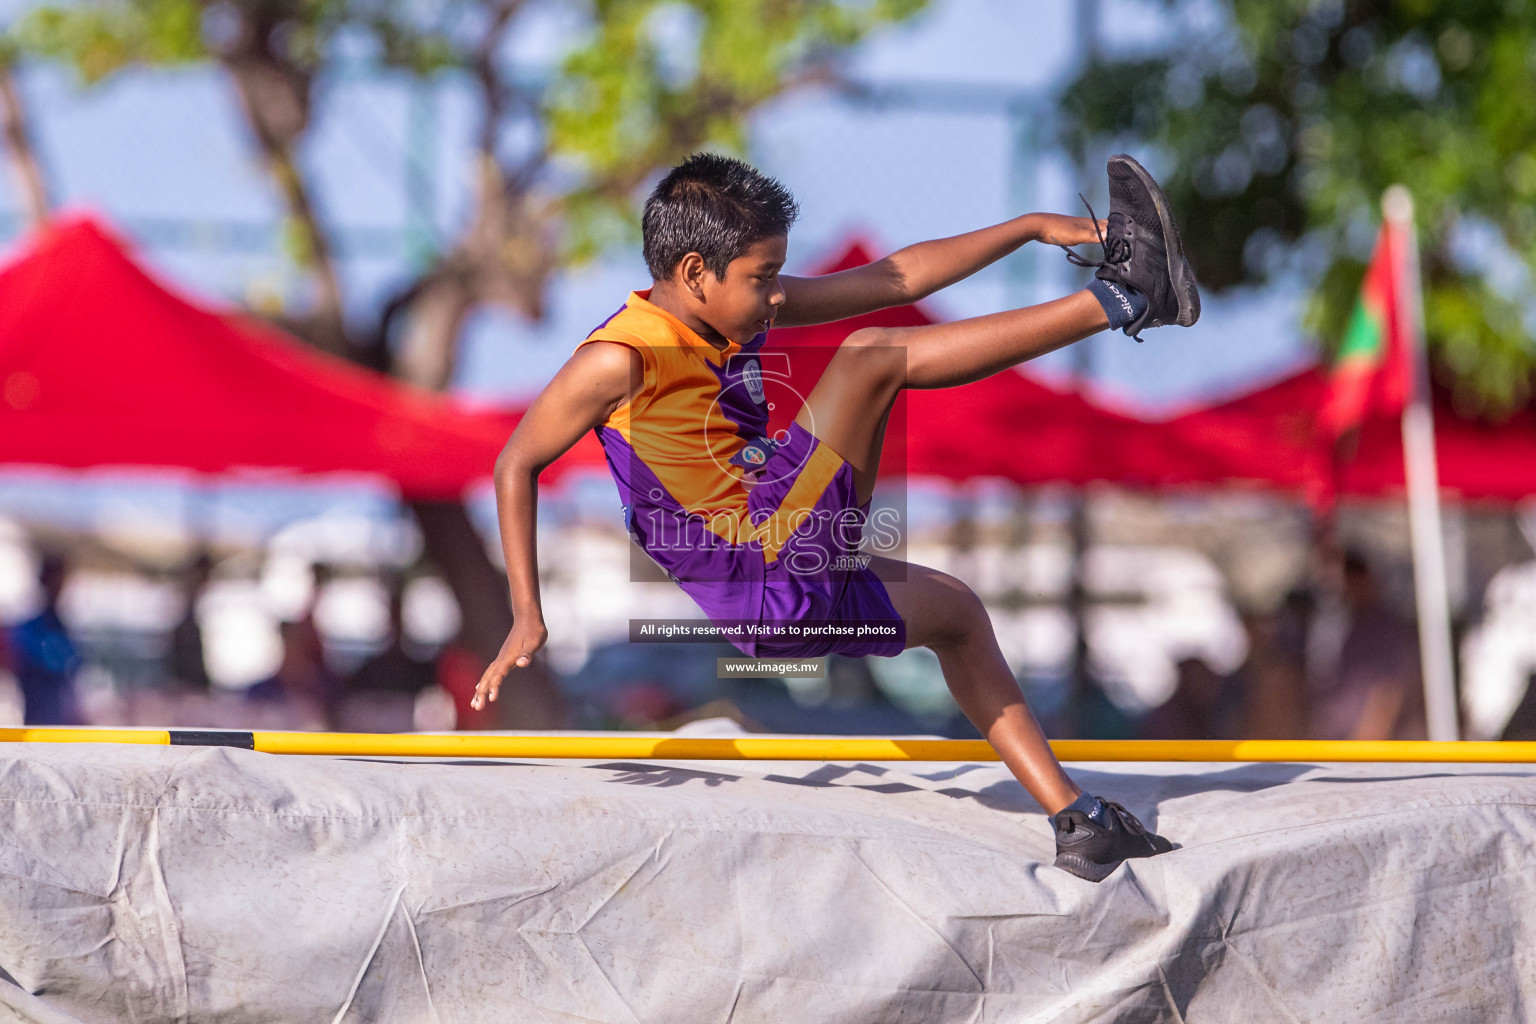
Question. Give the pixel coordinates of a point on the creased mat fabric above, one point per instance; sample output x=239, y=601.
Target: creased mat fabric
x=220, y=885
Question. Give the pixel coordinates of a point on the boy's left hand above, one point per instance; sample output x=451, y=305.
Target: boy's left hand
x=1058, y=229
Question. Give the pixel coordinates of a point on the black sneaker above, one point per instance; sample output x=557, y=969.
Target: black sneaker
x=1142, y=249
x=1092, y=851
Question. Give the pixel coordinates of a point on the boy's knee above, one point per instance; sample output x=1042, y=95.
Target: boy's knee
x=965, y=615
x=971, y=611
x=876, y=352
x=870, y=338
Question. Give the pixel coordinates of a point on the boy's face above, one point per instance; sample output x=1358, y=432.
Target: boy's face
x=744, y=303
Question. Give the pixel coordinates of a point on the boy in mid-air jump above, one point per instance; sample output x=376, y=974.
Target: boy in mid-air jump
x=763, y=530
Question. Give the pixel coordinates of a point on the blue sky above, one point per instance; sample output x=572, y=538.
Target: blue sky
x=164, y=154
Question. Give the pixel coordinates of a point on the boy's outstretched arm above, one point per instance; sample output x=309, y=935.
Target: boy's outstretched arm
x=919, y=270
x=589, y=387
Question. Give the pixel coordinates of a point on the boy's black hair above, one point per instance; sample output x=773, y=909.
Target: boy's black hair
x=715, y=206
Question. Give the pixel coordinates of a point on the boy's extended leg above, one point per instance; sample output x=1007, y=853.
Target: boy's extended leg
x=848, y=407
x=1143, y=281
x=946, y=616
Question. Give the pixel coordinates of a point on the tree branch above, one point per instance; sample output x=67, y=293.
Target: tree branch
x=500, y=255
x=25, y=166
x=685, y=127
x=492, y=88
x=274, y=91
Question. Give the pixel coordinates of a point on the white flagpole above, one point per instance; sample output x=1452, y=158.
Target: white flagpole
x=1423, y=479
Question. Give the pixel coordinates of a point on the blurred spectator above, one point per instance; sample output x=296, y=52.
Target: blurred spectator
x=381, y=695
x=187, y=669
x=10, y=693
x=1371, y=689
x=645, y=704
x=1522, y=724
x=1273, y=681
x=303, y=690
x=1204, y=706
x=1095, y=718
x=45, y=656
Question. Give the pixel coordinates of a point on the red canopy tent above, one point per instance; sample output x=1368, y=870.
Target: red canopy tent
x=1493, y=461
x=1269, y=434
x=1265, y=437
x=101, y=365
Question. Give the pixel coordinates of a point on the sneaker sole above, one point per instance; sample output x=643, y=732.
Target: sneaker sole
x=1179, y=270
x=1082, y=867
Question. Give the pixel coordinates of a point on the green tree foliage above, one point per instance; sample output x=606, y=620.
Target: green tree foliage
x=643, y=83
x=1280, y=128
x=651, y=79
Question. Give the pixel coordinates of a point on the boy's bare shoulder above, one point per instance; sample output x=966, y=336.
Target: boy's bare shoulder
x=603, y=357
x=607, y=371
x=594, y=382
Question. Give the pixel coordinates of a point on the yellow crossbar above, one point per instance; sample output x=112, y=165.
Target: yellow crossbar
x=766, y=748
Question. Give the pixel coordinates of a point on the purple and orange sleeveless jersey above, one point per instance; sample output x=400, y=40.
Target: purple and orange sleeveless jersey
x=778, y=550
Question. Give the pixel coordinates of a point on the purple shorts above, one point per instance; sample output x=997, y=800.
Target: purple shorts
x=817, y=588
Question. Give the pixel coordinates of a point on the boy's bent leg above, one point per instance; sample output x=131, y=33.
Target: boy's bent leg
x=847, y=409
x=944, y=615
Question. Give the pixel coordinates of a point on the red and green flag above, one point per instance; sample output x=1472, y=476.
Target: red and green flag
x=1373, y=373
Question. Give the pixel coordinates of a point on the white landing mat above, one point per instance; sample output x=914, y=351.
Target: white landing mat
x=214, y=886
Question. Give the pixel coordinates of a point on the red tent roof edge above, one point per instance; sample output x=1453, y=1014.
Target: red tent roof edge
x=101, y=364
